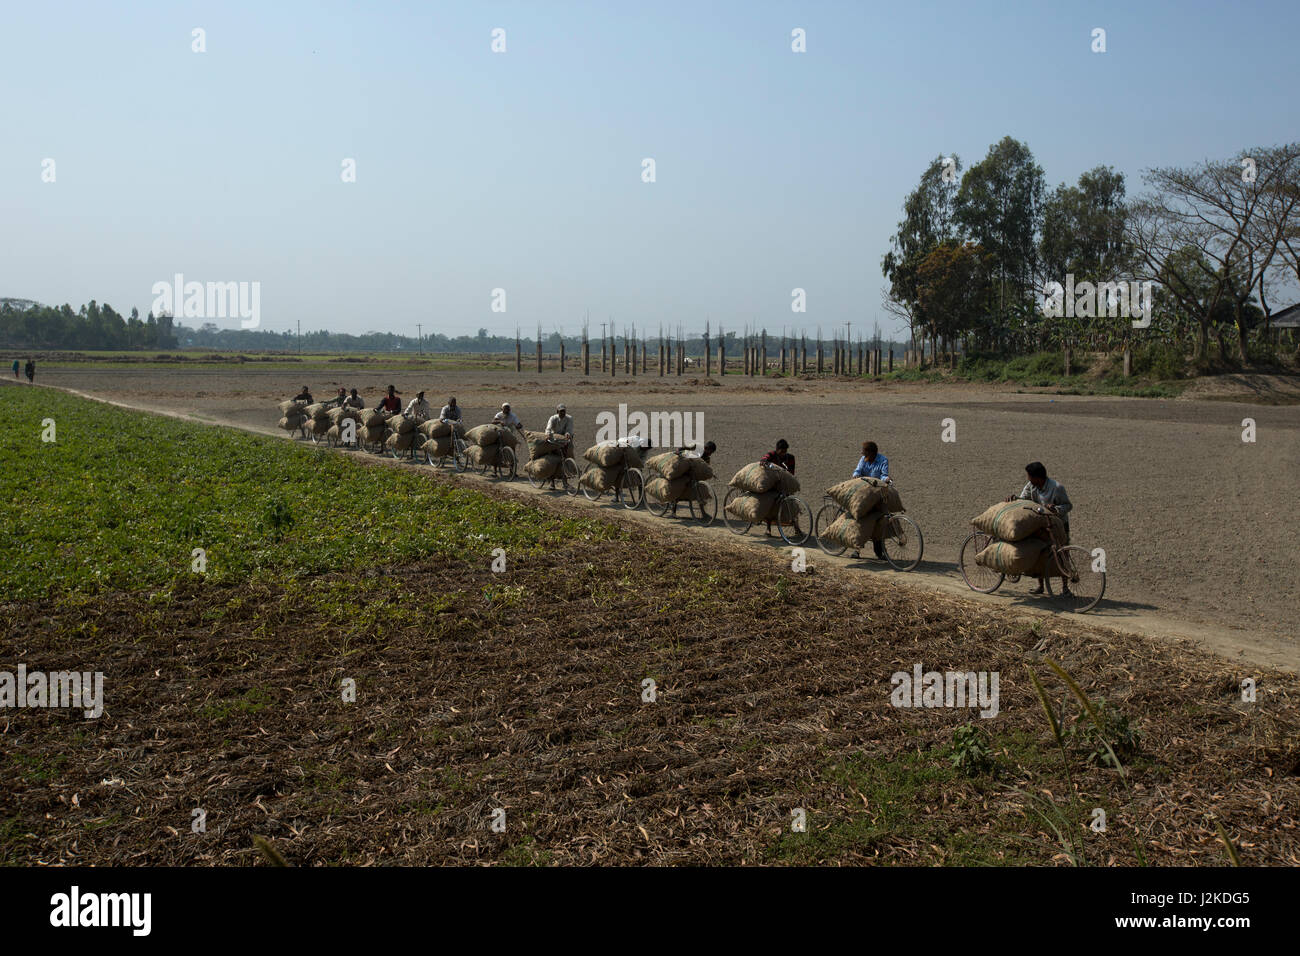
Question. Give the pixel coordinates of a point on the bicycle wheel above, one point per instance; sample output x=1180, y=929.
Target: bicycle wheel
x=734, y=524
x=977, y=577
x=508, y=467
x=799, y=529
x=902, y=544
x=825, y=518
x=459, y=453
x=534, y=481
x=568, y=475
x=632, y=491
x=588, y=492
x=1085, y=585
x=659, y=507
x=704, y=504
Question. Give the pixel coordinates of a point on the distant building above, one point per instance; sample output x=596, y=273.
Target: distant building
x=1288, y=318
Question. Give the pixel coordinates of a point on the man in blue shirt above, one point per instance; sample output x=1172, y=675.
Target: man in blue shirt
x=872, y=464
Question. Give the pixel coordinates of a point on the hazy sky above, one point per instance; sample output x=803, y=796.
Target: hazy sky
x=523, y=170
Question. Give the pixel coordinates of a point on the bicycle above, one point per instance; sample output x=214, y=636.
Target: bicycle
x=1083, y=587
x=700, y=498
x=799, y=514
x=507, y=462
x=901, y=534
x=629, y=487
x=457, y=446
x=412, y=452
x=567, y=473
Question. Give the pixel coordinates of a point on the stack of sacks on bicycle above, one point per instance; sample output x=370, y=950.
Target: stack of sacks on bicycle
x=319, y=419
x=1021, y=533
x=865, y=502
x=485, y=443
x=544, y=456
x=438, y=433
x=292, y=415
x=672, y=473
x=762, y=485
x=338, y=431
x=609, y=461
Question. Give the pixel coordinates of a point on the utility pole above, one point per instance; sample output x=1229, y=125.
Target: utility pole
x=419, y=337
x=300, y=336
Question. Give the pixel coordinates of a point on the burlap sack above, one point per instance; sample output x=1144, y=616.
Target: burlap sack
x=1011, y=521
x=319, y=426
x=483, y=435
x=291, y=423
x=437, y=428
x=540, y=447
x=480, y=455
x=507, y=436
x=377, y=433
x=291, y=405
x=438, y=447
x=753, y=508
x=373, y=419
x=600, y=479
x=668, y=465
x=858, y=496
x=853, y=532
x=404, y=442
x=544, y=467
x=1013, y=557
x=317, y=410
x=785, y=481
x=605, y=455
x=402, y=425
x=755, y=478
x=660, y=488
x=699, y=469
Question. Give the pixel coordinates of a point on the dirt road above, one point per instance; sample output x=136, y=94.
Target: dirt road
x=1198, y=525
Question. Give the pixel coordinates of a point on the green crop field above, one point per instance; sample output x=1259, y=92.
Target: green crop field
x=119, y=501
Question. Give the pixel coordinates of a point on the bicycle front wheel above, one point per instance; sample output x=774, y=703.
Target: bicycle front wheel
x=508, y=465
x=796, y=521
x=977, y=577
x=826, y=517
x=569, y=476
x=902, y=544
x=704, y=505
x=1080, y=585
x=588, y=492
x=734, y=525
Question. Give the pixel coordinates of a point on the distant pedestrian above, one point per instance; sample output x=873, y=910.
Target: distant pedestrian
x=15, y=368
x=30, y=370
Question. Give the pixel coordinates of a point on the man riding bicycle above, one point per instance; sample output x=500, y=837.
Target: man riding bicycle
x=559, y=429
x=779, y=456
x=1049, y=493
x=450, y=412
x=418, y=409
x=390, y=403
x=872, y=464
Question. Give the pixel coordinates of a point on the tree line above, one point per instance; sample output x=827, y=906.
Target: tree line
x=974, y=254
x=33, y=326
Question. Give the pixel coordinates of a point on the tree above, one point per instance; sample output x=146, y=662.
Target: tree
x=999, y=206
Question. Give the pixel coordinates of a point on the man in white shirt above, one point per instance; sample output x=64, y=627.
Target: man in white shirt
x=419, y=409
x=507, y=418
x=559, y=428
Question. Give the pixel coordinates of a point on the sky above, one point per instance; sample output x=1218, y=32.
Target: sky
x=522, y=170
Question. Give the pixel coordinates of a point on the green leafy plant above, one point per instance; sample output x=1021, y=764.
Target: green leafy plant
x=970, y=751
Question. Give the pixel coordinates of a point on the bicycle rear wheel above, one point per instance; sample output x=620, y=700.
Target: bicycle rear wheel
x=508, y=466
x=800, y=526
x=977, y=577
x=902, y=544
x=826, y=516
x=1083, y=586
x=659, y=507
x=734, y=525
